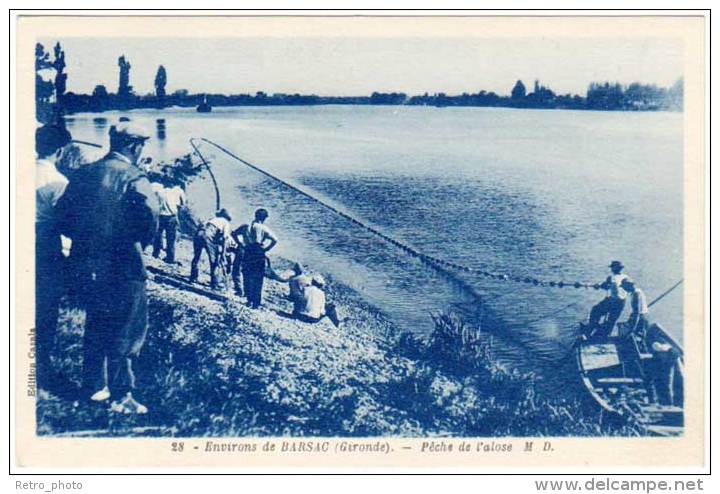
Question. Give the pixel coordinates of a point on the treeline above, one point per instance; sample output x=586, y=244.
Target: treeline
x=599, y=96
x=606, y=96
x=52, y=100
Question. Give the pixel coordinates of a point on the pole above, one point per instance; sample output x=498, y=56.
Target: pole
x=212, y=175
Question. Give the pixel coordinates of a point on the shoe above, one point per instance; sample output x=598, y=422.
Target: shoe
x=128, y=406
x=101, y=395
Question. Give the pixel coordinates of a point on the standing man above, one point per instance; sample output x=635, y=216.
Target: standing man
x=50, y=185
x=612, y=305
x=211, y=237
x=239, y=236
x=110, y=212
x=260, y=240
x=171, y=199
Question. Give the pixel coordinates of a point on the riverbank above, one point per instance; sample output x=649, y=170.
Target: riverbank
x=212, y=367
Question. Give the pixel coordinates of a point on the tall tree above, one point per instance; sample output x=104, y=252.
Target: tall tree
x=60, y=75
x=518, y=91
x=160, y=82
x=43, y=89
x=124, y=87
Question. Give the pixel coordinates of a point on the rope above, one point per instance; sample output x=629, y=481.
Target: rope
x=485, y=273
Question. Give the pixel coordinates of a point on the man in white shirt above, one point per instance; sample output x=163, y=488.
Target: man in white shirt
x=298, y=283
x=212, y=238
x=50, y=185
x=638, y=322
x=171, y=199
x=612, y=305
x=260, y=239
x=311, y=305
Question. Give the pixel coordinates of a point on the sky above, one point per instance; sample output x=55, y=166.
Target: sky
x=359, y=66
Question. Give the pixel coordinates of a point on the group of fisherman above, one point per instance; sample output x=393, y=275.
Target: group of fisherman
x=111, y=211
x=102, y=216
x=241, y=252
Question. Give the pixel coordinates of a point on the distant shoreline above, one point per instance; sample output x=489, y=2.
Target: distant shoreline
x=89, y=109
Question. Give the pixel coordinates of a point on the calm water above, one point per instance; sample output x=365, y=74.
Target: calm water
x=550, y=194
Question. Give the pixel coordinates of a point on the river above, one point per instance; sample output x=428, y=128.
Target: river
x=551, y=194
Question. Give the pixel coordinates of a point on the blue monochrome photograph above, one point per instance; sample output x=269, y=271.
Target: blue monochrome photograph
x=359, y=237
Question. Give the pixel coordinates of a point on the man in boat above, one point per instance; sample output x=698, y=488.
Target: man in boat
x=172, y=198
x=637, y=324
x=49, y=187
x=211, y=237
x=260, y=240
x=110, y=211
x=664, y=369
x=611, y=306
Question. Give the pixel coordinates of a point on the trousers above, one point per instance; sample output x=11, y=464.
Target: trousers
x=115, y=332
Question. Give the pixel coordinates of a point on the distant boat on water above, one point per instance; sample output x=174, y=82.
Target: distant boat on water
x=204, y=107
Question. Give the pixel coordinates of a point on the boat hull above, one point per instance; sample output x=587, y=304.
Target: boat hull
x=646, y=386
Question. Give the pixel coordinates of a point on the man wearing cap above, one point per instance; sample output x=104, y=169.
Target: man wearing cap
x=110, y=212
x=50, y=185
x=211, y=237
x=612, y=305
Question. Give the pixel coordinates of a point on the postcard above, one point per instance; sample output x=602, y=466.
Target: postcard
x=420, y=241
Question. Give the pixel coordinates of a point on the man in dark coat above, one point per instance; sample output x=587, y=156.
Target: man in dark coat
x=110, y=212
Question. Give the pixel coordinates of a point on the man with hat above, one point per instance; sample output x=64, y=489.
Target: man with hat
x=211, y=237
x=110, y=212
x=50, y=185
x=612, y=305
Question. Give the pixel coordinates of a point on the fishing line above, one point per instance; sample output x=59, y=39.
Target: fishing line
x=437, y=263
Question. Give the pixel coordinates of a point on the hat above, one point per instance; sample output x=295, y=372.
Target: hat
x=224, y=213
x=127, y=133
x=49, y=138
x=318, y=280
x=616, y=264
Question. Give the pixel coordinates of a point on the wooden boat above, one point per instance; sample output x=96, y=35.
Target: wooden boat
x=621, y=378
x=204, y=107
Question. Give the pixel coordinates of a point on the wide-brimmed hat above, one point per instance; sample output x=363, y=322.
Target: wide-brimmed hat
x=616, y=264
x=224, y=213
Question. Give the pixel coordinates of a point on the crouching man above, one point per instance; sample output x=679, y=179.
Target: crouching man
x=311, y=306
